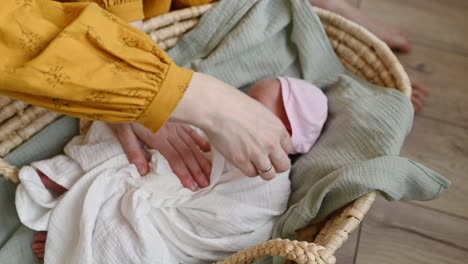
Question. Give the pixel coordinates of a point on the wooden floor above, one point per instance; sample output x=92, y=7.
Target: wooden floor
x=435, y=231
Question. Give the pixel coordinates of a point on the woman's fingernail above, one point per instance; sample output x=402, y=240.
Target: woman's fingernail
x=205, y=182
x=141, y=169
x=193, y=187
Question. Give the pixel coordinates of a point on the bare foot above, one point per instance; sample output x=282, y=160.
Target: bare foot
x=391, y=35
x=38, y=245
x=418, y=94
x=50, y=185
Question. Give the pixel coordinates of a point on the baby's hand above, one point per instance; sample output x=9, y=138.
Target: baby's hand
x=178, y=143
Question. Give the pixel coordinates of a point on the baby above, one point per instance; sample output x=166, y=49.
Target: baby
x=112, y=215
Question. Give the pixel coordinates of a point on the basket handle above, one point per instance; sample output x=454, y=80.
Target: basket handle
x=300, y=252
x=10, y=172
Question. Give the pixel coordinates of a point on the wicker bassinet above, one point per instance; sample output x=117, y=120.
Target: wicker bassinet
x=360, y=51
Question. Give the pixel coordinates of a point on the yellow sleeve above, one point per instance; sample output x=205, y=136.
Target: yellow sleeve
x=158, y=7
x=78, y=59
x=153, y=8
x=128, y=10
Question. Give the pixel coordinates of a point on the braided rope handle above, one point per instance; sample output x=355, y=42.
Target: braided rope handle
x=19, y=121
x=23, y=134
x=300, y=252
x=175, y=30
x=175, y=16
x=12, y=108
x=8, y=171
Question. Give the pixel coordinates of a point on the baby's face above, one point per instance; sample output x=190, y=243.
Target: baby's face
x=268, y=93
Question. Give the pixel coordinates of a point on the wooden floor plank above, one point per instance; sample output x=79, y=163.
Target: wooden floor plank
x=347, y=253
x=446, y=75
x=354, y=2
x=436, y=23
x=434, y=231
x=396, y=232
x=443, y=148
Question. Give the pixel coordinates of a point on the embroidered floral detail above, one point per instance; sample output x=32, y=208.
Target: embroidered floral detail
x=118, y=67
x=129, y=42
x=99, y=97
x=30, y=40
x=56, y=76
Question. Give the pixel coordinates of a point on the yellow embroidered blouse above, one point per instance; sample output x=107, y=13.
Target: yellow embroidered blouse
x=78, y=59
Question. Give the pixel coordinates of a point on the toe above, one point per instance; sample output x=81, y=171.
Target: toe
x=417, y=105
x=38, y=246
x=398, y=42
x=419, y=87
x=40, y=236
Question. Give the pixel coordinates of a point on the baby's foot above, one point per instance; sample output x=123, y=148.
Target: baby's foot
x=38, y=245
x=50, y=185
x=391, y=35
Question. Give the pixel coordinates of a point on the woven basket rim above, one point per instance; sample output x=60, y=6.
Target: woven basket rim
x=378, y=46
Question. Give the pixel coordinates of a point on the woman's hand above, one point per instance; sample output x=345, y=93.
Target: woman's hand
x=178, y=143
x=243, y=130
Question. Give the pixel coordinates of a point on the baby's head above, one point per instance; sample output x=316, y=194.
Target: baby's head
x=301, y=106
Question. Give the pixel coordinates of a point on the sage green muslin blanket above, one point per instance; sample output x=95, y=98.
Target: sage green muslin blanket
x=241, y=42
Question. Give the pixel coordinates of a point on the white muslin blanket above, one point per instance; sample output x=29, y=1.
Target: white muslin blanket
x=113, y=215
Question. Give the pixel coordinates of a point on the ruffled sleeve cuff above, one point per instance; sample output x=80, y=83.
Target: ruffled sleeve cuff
x=165, y=101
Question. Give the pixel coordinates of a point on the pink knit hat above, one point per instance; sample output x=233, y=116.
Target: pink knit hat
x=306, y=108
